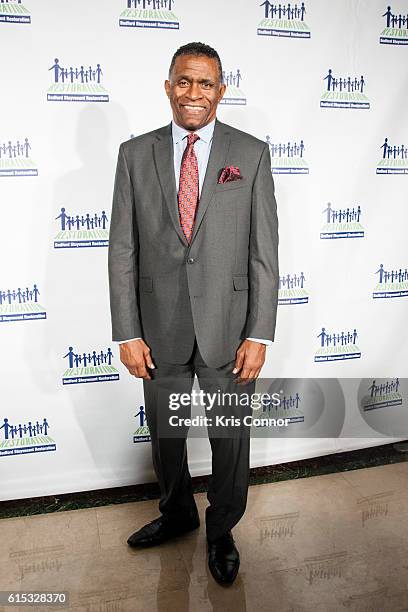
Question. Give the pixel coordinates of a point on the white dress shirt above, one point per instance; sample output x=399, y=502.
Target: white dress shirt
x=202, y=148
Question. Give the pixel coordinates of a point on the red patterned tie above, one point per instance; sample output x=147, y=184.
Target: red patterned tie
x=188, y=187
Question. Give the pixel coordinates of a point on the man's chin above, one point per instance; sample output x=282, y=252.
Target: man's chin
x=192, y=124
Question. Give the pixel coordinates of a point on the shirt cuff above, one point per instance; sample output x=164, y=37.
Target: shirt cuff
x=123, y=341
x=267, y=342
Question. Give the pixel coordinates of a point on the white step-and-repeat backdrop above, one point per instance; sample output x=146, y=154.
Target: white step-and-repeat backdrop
x=325, y=84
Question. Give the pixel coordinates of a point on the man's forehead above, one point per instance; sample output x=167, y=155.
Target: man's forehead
x=195, y=63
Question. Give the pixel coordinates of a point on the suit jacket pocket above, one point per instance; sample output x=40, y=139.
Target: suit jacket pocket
x=230, y=185
x=240, y=282
x=146, y=284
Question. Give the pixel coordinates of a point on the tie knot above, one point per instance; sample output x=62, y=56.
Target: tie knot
x=192, y=138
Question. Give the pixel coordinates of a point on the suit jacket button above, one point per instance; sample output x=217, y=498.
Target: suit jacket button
x=190, y=260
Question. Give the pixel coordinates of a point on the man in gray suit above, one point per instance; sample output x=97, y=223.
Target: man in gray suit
x=193, y=274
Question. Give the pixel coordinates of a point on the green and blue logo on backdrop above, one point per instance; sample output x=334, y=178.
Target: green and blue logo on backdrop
x=76, y=83
x=156, y=14
x=283, y=19
x=292, y=289
x=337, y=345
x=287, y=157
x=14, y=11
x=142, y=433
x=396, y=28
x=234, y=94
x=344, y=92
x=81, y=230
x=391, y=283
x=16, y=160
x=394, y=159
x=382, y=394
x=89, y=367
x=342, y=223
x=21, y=304
x=23, y=438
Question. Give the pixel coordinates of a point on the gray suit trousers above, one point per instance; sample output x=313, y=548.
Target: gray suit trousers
x=228, y=486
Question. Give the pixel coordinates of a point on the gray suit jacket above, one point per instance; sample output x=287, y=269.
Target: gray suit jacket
x=221, y=288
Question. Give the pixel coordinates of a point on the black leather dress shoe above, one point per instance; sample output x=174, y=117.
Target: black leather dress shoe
x=162, y=529
x=223, y=559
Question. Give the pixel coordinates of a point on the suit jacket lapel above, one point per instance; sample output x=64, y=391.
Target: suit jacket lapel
x=164, y=161
x=216, y=161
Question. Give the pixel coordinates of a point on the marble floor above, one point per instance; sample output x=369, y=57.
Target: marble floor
x=321, y=544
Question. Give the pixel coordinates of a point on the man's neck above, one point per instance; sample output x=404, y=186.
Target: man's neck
x=196, y=129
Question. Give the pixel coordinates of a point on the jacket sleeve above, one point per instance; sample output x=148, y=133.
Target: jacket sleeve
x=123, y=256
x=263, y=255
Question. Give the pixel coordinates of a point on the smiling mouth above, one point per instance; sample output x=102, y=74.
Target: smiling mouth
x=193, y=109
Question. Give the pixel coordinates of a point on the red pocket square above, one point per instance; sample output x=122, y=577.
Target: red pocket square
x=229, y=173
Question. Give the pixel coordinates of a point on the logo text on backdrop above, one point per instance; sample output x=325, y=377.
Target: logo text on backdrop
x=292, y=289
x=89, y=367
x=15, y=158
x=342, y=223
x=22, y=438
x=21, y=304
x=337, y=345
x=344, y=92
x=76, y=84
x=396, y=30
x=81, y=230
x=287, y=157
x=394, y=158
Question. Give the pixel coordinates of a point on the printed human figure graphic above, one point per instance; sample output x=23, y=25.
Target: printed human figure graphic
x=142, y=416
x=232, y=78
x=383, y=388
x=96, y=359
x=292, y=282
x=280, y=11
x=291, y=402
x=344, y=84
x=57, y=70
x=340, y=215
x=395, y=21
x=70, y=222
x=62, y=74
x=393, y=276
x=18, y=149
x=394, y=152
x=335, y=339
x=24, y=429
x=285, y=149
x=389, y=15
x=20, y=295
x=268, y=8
x=154, y=4
x=329, y=213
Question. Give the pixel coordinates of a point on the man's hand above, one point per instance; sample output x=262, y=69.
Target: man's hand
x=135, y=355
x=249, y=361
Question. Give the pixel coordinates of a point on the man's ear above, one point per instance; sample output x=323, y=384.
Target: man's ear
x=222, y=91
x=167, y=87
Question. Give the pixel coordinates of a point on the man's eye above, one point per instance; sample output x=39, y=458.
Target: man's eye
x=183, y=83
x=207, y=85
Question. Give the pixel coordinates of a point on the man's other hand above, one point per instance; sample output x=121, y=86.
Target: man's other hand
x=249, y=361
x=135, y=355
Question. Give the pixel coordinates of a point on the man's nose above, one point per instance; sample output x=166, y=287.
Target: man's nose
x=194, y=91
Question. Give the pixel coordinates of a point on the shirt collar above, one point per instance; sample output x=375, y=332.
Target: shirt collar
x=205, y=133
